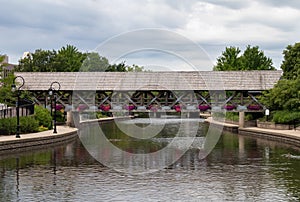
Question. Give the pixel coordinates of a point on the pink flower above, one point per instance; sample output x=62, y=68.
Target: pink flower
x=204, y=107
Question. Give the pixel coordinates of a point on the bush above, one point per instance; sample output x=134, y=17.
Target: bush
x=28, y=124
x=286, y=117
x=8, y=126
x=43, y=116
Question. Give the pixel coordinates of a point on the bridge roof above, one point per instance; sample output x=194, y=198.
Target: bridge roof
x=106, y=81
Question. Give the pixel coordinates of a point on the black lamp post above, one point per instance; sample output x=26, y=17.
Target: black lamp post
x=52, y=92
x=13, y=89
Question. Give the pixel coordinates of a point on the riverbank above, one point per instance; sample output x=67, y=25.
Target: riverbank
x=287, y=136
x=10, y=143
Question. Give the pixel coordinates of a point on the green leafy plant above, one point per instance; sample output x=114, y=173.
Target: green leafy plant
x=286, y=117
x=42, y=115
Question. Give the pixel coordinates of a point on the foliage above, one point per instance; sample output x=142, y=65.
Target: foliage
x=94, y=63
x=43, y=116
x=39, y=61
x=135, y=68
x=286, y=117
x=251, y=59
x=28, y=124
x=60, y=116
x=70, y=59
x=230, y=60
x=122, y=67
x=67, y=59
x=291, y=63
x=8, y=126
x=284, y=96
x=100, y=115
x=6, y=95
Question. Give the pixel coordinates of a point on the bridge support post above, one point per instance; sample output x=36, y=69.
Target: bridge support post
x=70, y=121
x=241, y=119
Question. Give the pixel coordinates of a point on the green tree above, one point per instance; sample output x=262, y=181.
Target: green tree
x=291, y=63
x=284, y=96
x=69, y=59
x=121, y=67
x=229, y=60
x=39, y=61
x=6, y=96
x=94, y=63
x=251, y=59
x=255, y=59
x=135, y=68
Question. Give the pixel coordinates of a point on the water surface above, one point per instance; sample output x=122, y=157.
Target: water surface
x=238, y=169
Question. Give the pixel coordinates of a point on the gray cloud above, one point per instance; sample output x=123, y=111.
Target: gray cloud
x=212, y=24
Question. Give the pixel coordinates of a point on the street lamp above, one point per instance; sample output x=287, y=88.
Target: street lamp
x=52, y=92
x=13, y=89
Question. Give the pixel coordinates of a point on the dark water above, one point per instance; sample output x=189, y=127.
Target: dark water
x=238, y=169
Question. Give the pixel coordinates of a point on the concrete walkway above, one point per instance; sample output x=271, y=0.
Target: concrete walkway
x=37, y=139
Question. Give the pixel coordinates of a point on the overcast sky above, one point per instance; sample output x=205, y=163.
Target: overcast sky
x=91, y=24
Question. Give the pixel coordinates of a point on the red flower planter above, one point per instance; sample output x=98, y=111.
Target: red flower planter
x=129, y=107
x=177, y=108
x=82, y=107
x=229, y=107
x=105, y=107
x=203, y=107
x=254, y=107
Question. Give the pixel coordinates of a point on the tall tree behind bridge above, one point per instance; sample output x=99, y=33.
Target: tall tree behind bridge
x=6, y=96
x=67, y=59
x=251, y=59
x=95, y=63
x=286, y=93
x=291, y=63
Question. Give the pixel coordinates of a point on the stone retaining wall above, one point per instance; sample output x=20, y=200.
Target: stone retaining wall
x=270, y=125
x=38, y=141
x=291, y=140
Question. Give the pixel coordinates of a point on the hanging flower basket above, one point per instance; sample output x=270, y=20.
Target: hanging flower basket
x=105, y=107
x=129, y=107
x=153, y=108
x=177, y=108
x=59, y=107
x=82, y=107
x=203, y=107
x=229, y=107
x=254, y=107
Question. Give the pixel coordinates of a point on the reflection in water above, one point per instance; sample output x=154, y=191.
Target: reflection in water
x=238, y=169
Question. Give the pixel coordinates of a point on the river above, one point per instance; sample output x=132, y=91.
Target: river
x=239, y=168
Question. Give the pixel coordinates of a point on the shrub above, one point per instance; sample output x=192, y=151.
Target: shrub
x=286, y=117
x=8, y=126
x=28, y=124
x=43, y=116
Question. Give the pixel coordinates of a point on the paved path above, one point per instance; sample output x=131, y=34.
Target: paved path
x=27, y=141
x=60, y=131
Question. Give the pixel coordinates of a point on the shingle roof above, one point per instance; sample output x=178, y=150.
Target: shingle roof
x=104, y=81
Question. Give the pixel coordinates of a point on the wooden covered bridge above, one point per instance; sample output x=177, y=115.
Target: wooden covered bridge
x=153, y=91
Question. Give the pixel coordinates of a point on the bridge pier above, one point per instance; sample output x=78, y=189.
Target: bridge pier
x=241, y=119
x=70, y=120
